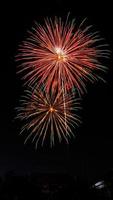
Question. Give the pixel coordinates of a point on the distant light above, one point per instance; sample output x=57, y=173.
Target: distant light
x=99, y=185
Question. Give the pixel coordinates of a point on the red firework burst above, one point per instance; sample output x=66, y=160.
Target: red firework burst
x=60, y=55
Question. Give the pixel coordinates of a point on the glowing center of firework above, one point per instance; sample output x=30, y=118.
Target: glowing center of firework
x=60, y=54
x=51, y=109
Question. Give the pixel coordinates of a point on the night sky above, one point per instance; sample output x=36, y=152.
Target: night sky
x=91, y=153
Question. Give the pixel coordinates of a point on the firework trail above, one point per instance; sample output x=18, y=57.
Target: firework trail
x=59, y=54
x=43, y=115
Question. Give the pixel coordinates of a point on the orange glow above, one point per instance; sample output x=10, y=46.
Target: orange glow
x=61, y=56
x=52, y=109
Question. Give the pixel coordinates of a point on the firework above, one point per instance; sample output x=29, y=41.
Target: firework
x=56, y=60
x=60, y=55
x=43, y=116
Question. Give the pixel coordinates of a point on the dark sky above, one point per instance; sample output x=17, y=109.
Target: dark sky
x=90, y=154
